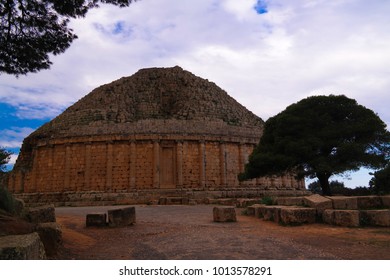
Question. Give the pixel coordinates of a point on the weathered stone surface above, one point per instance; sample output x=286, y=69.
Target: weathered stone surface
x=42, y=214
x=271, y=212
x=121, y=217
x=251, y=210
x=22, y=247
x=156, y=130
x=224, y=214
x=344, y=202
x=386, y=201
x=346, y=218
x=375, y=217
x=96, y=220
x=297, y=215
x=19, y=206
x=369, y=202
x=51, y=237
x=320, y=203
x=246, y=202
x=290, y=201
x=328, y=216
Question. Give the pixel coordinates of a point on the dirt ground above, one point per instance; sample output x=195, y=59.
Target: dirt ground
x=188, y=233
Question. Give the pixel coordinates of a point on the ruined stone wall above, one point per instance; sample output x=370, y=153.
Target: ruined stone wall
x=108, y=164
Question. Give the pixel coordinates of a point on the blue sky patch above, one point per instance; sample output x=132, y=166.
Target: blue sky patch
x=261, y=7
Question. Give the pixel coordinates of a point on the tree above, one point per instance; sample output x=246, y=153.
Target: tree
x=318, y=137
x=30, y=30
x=381, y=181
x=4, y=158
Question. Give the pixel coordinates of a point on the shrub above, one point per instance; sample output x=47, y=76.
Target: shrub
x=267, y=200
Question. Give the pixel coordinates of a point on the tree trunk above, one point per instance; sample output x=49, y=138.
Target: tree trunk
x=324, y=182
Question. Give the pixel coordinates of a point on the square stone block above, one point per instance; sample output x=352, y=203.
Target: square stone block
x=369, y=202
x=386, y=201
x=375, y=217
x=224, y=214
x=318, y=202
x=22, y=247
x=297, y=215
x=346, y=218
x=42, y=214
x=121, y=217
x=96, y=220
x=328, y=216
x=344, y=202
x=271, y=213
x=289, y=201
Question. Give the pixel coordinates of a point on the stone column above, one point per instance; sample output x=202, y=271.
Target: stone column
x=87, y=173
x=68, y=151
x=133, y=157
x=179, y=159
x=202, y=164
x=156, y=164
x=222, y=164
x=109, y=164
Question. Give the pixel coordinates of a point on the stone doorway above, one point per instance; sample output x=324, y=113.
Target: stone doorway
x=167, y=167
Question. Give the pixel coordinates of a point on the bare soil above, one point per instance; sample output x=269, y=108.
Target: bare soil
x=188, y=233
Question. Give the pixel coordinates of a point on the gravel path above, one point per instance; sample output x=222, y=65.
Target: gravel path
x=188, y=232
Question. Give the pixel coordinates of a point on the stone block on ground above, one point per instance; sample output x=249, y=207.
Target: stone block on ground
x=246, y=202
x=42, y=214
x=297, y=215
x=22, y=247
x=369, y=202
x=344, y=202
x=224, y=214
x=251, y=210
x=328, y=216
x=51, y=237
x=289, y=201
x=19, y=205
x=96, y=220
x=271, y=212
x=320, y=203
x=346, y=218
x=121, y=217
x=375, y=217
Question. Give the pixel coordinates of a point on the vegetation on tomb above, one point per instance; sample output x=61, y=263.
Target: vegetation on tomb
x=318, y=137
x=31, y=30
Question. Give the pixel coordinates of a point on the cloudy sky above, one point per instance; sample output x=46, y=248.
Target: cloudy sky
x=266, y=54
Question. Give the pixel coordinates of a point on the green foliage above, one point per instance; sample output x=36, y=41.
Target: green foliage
x=4, y=158
x=7, y=201
x=318, y=137
x=30, y=30
x=381, y=181
x=267, y=200
x=338, y=188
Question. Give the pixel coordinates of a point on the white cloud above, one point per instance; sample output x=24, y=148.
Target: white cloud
x=13, y=137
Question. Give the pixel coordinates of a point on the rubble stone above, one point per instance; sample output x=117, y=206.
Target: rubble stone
x=42, y=214
x=224, y=214
x=96, y=220
x=121, y=217
x=51, y=237
x=297, y=215
x=22, y=247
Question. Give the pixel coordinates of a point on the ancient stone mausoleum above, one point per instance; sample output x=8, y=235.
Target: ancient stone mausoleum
x=160, y=132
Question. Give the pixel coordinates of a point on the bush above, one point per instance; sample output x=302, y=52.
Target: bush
x=338, y=188
x=380, y=183
x=267, y=200
x=7, y=202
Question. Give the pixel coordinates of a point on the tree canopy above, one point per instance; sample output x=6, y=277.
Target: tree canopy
x=30, y=30
x=318, y=137
x=381, y=181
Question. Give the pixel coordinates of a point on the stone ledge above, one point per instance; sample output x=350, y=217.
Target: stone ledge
x=297, y=216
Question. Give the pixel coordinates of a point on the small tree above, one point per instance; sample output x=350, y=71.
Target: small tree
x=318, y=137
x=381, y=181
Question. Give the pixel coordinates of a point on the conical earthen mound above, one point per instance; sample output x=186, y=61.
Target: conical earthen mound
x=172, y=100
